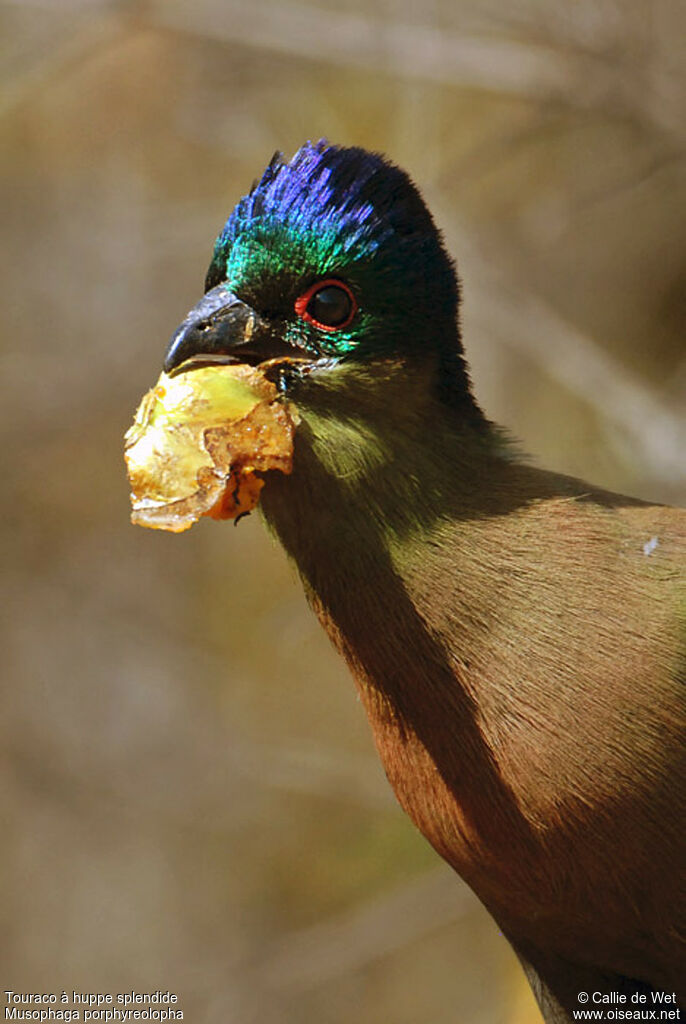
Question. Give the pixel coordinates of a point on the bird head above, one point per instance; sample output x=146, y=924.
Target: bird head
x=332, y=259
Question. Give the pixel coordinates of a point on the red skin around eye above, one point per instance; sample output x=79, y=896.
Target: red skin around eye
x=302, y=302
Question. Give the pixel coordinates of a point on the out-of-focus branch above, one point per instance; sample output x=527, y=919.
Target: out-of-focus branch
x=527, y=323
x=314, y=770
x=351, y=940
x=628, y=57
x=538, y=65
x=425, y=51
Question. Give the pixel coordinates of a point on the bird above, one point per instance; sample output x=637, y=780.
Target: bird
x=517, y=636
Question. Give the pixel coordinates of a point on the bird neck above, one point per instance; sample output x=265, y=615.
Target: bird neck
x=380, y=463
x=379, y=459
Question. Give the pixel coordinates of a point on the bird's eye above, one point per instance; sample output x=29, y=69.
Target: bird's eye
x=327, y=304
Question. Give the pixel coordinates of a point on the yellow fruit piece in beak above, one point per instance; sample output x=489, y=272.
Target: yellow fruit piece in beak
x=198, y=441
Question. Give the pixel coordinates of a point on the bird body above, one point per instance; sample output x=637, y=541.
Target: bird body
x=506, y=640
x=518, y=638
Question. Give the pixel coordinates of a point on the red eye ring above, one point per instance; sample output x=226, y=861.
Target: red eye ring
x=303, y=301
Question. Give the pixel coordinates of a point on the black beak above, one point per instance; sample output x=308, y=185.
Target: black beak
x=222, y=329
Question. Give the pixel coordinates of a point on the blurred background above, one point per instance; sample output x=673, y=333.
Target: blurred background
x=190, y=795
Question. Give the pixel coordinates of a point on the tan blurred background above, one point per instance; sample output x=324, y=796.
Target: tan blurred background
x=190, y=797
